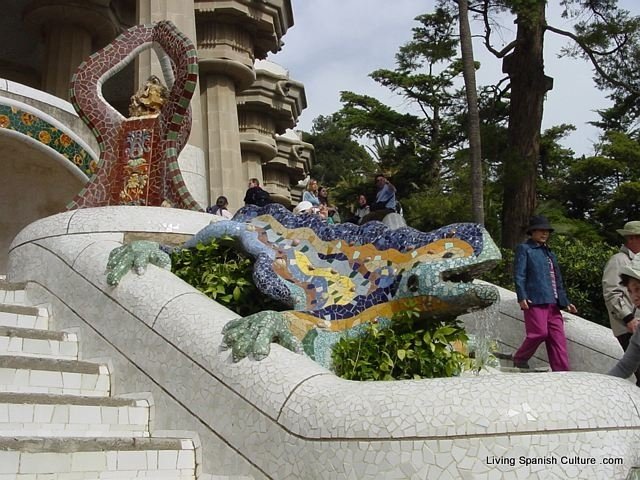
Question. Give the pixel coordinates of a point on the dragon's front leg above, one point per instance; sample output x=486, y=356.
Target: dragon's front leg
x=137, y=256
x=254, y=334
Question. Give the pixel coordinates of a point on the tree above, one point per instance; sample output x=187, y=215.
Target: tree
x=421, y=143
x=337, y=154
x=475, y=143
x=596, y=193
x=602, y=33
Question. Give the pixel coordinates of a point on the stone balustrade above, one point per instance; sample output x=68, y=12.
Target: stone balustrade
x=287, y=417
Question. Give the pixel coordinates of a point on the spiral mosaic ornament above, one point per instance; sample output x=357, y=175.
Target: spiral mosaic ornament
x=336, y=278
x=153, y=176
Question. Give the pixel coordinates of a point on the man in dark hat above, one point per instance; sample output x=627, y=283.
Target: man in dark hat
x=623, y=317
x=541, y=295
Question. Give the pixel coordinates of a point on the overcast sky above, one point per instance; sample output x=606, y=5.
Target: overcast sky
x=335, y=44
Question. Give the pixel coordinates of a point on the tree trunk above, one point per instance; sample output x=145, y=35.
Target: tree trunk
x=525, y=67
x=475, y=146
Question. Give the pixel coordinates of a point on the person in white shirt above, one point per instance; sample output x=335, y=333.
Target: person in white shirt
x=220, y=208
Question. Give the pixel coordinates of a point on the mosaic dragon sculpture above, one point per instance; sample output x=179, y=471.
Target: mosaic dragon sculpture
x=337, y=277
x=138, y=156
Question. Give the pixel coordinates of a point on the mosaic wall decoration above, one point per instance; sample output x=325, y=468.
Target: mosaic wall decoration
x=338, y=277
x=131, y=184
x=161, y=180
x=26, y=123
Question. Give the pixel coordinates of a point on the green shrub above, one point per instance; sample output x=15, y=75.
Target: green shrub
x=581, y=265
x=408, y=348
x=223, y=273
x=502, y=273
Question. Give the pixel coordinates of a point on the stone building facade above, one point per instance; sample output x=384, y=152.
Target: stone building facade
x=241, y=118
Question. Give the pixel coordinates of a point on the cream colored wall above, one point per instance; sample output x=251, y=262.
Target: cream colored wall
x=34, y=183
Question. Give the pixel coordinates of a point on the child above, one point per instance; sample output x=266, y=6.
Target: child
x=541, y=295
x=630, y=361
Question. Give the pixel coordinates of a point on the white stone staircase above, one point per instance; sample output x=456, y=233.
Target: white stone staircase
x=58, y=420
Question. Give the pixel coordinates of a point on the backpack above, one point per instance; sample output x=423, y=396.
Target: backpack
x=262, y=197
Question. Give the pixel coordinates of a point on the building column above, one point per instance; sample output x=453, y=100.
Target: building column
x=231, y=35
x=292, y=162
x=252, y=165
x=71, y=30
x=225, y=161
x=66, y=47
x=270, y=106
x=192, y=159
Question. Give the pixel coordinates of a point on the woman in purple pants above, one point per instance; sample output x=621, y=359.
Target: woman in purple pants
x=541, y=295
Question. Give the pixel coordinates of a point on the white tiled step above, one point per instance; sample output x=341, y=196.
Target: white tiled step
x=33, y=458
x=29, y=342
x=207, y=476
x=12, y=293
x=23, y=316
x=60, y=377
x=45, y=415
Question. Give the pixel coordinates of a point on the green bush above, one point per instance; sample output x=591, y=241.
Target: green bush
x=581, y=265
x=408, y=348
x=223, y=273
x=502, y=273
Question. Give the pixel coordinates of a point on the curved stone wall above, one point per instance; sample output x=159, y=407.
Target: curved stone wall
x=53, y=112
x=288, y=418
x=44, y=161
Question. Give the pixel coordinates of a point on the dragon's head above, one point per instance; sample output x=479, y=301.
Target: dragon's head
x=444, y=285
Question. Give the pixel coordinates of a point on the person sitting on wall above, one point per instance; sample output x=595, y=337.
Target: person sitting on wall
x=304, y=208
x=256, y=195
x=311, y=193
x=331, y=210
x=385, y=199
x=220, y=208
x=362, y=210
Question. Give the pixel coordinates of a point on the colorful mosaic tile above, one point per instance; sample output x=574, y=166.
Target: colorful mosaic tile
x=163, y=180
x=338, y=277
x=26, y=123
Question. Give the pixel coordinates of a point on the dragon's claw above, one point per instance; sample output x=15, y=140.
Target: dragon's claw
x=253, y=335
x=135, y=255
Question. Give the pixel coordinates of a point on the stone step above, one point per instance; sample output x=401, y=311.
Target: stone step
x=23, y=316
x=207, y=476
x=71, y=458
x=58, y=377
x=29, y=342
x=45, y=415
x=12, y=293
